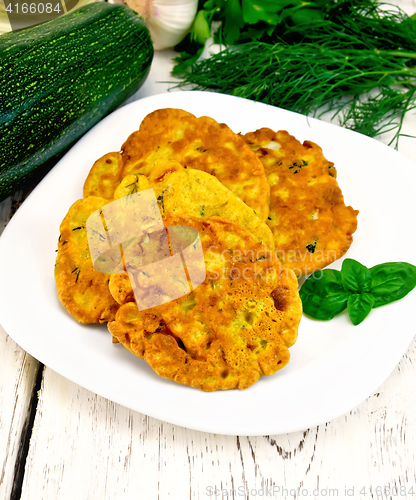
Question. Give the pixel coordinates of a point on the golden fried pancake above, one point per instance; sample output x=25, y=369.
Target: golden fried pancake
x=198, y=143
x=107, y=171
x=82, y=290
x=233, y=328
x=310, y=223
x=185, y=191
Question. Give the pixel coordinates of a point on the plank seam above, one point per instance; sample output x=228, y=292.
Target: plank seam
x=20, y=465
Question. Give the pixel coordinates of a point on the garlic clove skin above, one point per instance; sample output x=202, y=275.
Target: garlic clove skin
x=168, y=20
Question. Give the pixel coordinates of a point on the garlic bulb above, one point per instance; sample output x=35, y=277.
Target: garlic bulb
x=168, y=20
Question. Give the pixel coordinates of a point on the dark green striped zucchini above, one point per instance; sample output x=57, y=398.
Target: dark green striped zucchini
x=59, y=78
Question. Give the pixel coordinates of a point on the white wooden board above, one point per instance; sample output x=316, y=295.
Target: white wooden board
x=86, y=447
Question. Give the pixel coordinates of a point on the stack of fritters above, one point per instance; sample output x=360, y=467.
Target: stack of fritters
x=197, y=143
x=263, y=209
x=233, y=328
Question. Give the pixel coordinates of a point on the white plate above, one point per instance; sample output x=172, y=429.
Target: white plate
x=334, y=365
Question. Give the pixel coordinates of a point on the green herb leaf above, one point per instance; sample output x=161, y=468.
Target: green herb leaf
x=307, y=16
x=211, y=4
x=200, y=31
x=233, y=21
x=359, y=306
x=355, y=276
x=323, y=295
x=392, y=281
x=261, y=10
x=327, y=293
x=190, y=52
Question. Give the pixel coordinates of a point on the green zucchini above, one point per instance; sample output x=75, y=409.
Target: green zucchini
x=59, y=78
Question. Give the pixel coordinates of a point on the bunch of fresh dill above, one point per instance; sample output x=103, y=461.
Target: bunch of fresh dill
x=356, y=59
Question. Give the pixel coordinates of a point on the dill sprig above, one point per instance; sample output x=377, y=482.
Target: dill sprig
x=306, y=77
x=356, y=59
x=357, y=24
x=381, y=113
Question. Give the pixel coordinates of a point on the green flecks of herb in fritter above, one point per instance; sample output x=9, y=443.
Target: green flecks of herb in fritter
x=312, y=246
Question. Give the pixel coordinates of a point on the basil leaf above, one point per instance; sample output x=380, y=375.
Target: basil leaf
x=359, y=307
x=323, y=295
x=392, y=281
x=355, y=276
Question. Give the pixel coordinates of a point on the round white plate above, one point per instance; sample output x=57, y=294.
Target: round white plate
x=334, y=366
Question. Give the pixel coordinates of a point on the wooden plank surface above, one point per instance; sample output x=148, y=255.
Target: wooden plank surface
x=18, y=371
x=84, y=446
x=17, y=381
